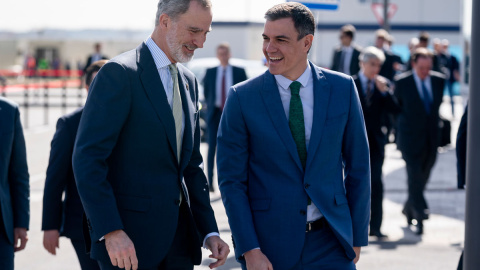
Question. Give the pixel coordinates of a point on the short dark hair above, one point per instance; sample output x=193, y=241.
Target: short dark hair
x=348, y=30
x=302, y=17
x=424, y=37
x=94, y=67
x=421, y=53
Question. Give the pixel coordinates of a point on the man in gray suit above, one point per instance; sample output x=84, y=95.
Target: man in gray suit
x=14, y=186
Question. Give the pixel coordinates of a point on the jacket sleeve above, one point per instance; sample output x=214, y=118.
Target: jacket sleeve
x=18, y=177
x=355, y=152
x=57, y=176
x=104, y=115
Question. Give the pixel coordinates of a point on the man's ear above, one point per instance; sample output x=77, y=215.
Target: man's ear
x=164, y=21
x=308, y=42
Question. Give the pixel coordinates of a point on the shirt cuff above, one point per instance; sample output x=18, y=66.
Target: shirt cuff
x=243, y=255
x=208, y=235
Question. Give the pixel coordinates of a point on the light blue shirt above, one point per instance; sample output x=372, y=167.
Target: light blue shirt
x=306, y=95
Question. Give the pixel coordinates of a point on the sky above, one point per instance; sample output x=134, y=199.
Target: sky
x=27, y=15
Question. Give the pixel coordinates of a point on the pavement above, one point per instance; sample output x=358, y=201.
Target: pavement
x=439, y=248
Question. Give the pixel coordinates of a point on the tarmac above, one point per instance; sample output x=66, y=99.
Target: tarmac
x=439, y=248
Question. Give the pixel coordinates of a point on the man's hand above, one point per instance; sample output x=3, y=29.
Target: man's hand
x=219, y=250
x=381, y=83
x=121, y=250
x=19, y=234
x=256, y=260
x=357, y=253
x=50, y=241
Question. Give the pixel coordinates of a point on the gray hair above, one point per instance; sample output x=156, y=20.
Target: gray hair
x=371, y=53
x=175, y=8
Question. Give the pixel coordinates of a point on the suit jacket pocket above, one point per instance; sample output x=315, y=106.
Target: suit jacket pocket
x=340, y=199
x=133, y=203
x=260, y=204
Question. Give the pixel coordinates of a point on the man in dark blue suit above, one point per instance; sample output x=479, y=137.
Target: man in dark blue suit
x=376, y=97
x=64, y=216
x=419, y=93
x=216, y=83
x=137, y=158
x=293, y=160
x=14, y=185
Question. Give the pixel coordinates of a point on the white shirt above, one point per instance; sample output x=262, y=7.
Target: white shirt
x=364, y=81
x=428, y=85
x=228, y=83
x=306, y=95
x=347, y=59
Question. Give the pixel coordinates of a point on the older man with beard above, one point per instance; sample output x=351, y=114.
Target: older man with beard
x=137, y=158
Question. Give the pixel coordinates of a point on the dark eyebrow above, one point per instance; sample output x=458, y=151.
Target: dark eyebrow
x=196, y=29
x=277, y=37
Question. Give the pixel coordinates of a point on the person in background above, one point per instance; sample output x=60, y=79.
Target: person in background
x=62, y=215
x=137, y=160
x=447, y=64
x=461, y=152
x=376, y=97
x=345, y=57
x=419, y=94
x=96, y=56
x=388, y=68
x=423, y=40
x=216, y=83
x=14, y=185
x=293, y=162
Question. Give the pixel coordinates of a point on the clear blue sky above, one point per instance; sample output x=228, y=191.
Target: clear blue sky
x=25, y=15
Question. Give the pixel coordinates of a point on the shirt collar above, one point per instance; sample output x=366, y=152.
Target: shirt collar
x=418, y=80
x=303, y=79
x=159, y=57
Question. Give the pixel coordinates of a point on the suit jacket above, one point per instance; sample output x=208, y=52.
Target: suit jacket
x=263, y=184
x=388, y=70
x=89, y=61
x=125, y=159
x=210, y=85
x=415, y=128
x=14, y=178
x=354, y=64
x=461, y=150
x=376, y=112
x=63, y=215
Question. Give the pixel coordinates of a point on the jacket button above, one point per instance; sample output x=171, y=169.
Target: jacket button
x=177, y=202
x=307, y=186
x=303, y=213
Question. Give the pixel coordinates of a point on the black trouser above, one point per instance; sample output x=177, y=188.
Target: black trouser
x=419, y=167
x=376, y=163
x=86, y=263
x=179, y=256
x=213, y=124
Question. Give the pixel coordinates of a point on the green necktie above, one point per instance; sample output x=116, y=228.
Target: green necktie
x=177, y=109
x=296, y=122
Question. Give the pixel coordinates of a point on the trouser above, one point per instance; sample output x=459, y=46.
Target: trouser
x=86, y=263
x=179, y=256
x=376, y=215
x=6, y=248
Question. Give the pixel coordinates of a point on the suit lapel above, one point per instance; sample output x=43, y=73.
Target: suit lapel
x=188, y=110
x=321, y=96
x=274, y=106
x=156, y=93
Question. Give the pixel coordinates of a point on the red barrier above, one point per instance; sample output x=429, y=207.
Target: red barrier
x=44, y=73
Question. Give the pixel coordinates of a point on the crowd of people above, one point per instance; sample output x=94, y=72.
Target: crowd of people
x=299, y=149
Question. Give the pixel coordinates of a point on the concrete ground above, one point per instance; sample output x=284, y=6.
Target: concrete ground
x=439, y=248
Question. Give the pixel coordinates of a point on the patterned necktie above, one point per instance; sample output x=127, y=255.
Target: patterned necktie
x=426, y=98
x=177, y=109
x=297, y=122
x=369, y=93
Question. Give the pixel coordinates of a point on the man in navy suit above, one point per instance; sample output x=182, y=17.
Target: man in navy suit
x=14, y=185
x=293, y=160
x=64, y=217
x=419, y=93
x=216, y=83
x=137, y=158
x=376, y=97
x=345, y=57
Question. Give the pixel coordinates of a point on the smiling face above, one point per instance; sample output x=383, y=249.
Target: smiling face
x=285, y=53
x=184, y=34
